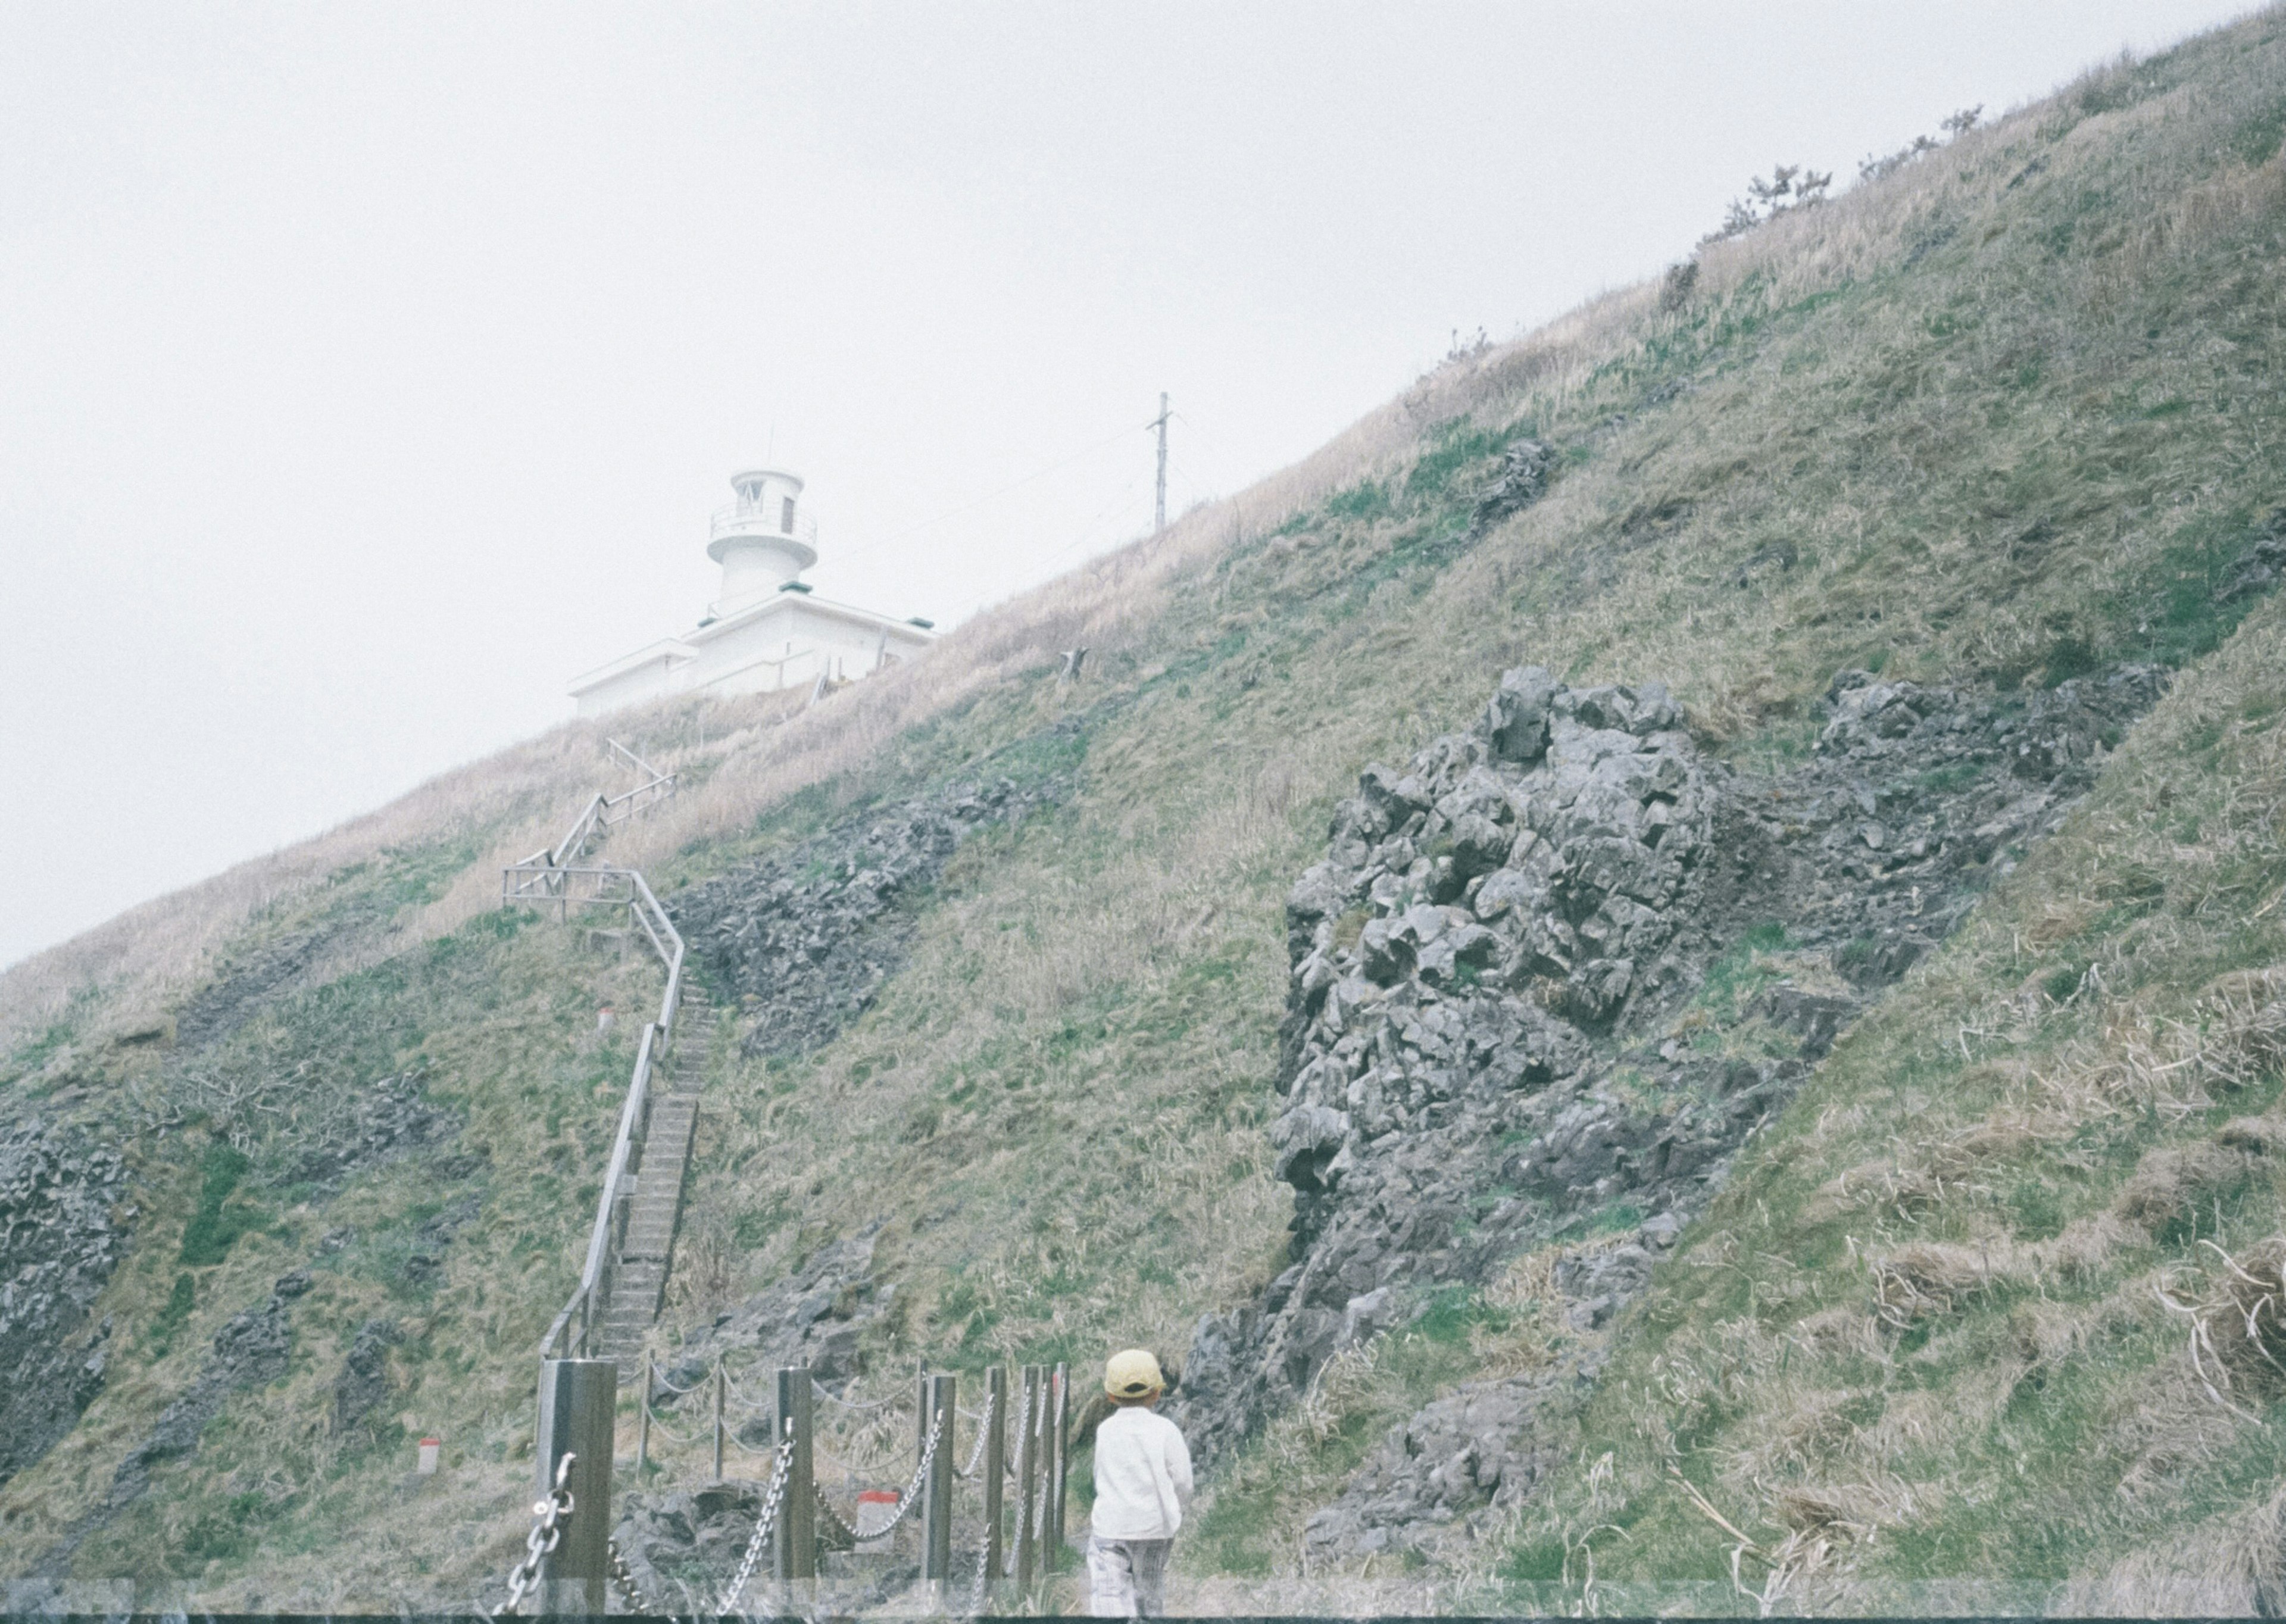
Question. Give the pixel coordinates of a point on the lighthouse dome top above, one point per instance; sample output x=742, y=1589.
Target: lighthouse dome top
x=753, y=484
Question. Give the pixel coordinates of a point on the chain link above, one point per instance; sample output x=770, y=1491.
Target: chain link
x=547, y=1518
x=624, y=1578
x=976, y=1590
x=912, y=1497
x=847, y=1530
x=983, y=1432
x=776, y=1493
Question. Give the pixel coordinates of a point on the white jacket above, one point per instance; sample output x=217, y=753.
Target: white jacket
x=1142, y=1476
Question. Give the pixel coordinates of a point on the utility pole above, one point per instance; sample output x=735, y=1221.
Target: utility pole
x=1160, y=423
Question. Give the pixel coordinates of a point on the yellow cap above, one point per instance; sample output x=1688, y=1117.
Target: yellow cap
x=1132, y=1374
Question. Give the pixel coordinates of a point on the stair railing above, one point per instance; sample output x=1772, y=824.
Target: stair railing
x=557, y=877
x=545, y=875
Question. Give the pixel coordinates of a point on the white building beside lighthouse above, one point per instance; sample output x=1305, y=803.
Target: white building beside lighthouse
x=768, y=630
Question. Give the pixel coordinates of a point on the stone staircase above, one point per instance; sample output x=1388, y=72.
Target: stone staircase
x=640, y=1277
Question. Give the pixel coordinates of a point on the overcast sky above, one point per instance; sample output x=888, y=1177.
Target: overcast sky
x=367, y=371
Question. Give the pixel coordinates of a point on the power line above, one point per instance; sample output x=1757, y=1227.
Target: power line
x=971, y=505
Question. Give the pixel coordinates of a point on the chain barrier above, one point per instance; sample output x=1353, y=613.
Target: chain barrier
x=983, y=1432
x=976, y=1590
x=776, y=1493
x=911, y=1495
x=694, y=1436
x=547, y=1516
x=851, y=1404
x=847, y=1530
x=664, y=1380
x=624, y=1578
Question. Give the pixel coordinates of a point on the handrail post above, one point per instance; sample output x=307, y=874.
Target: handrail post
x=996, y=1468
x=1028, y=1478
x=721, y=1383
x=936, y=1490
x=797, y=1552
x=643, y=1421
x=578, y=1401
x=1059, y=1419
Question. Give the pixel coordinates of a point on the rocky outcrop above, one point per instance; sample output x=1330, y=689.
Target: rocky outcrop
x=364, y=1379
x=807, y=936
x=1500, y=1024
x=250, y=1351
x=1483, y=922
x=682, y=1547
x=60, y=1238
x=424, y=1264
x=1520, y=480
x=815, y=1316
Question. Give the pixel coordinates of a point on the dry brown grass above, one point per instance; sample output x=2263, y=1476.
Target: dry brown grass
x=2233, y=1565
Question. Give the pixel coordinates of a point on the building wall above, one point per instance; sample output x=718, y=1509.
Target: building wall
x=787, y=646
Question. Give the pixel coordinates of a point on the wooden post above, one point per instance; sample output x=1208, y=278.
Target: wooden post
x=937, y=1492
x=797, y=1535
x=1058, y=1420
x=996, y=1471
x=1028, y=1477
x=721, y=1383
x=579, y=1403
x=642, y=1422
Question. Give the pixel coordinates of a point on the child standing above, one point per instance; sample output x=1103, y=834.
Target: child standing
x=1142, y=1477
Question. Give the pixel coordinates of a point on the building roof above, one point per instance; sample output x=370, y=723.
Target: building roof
x=832, y=609
x=672, y=651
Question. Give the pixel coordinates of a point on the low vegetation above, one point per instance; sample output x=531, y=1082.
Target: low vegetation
x=1977, y=1308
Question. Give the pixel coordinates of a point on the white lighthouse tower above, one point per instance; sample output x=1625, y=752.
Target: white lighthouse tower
x=768, y=630
x=763, y=539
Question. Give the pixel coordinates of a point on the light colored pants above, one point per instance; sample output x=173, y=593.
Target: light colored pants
x=1127, y=1579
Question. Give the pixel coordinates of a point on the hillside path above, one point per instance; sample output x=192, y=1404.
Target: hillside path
x=640, y=1279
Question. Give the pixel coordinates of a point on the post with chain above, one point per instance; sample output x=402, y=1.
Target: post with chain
x=996, y=1473
x=642, y=1422
x=936, y=1490
x=797, y=1552
x=721, y=1384
x=1028, y=1477
x=1059, y=1424
x=579, y=1403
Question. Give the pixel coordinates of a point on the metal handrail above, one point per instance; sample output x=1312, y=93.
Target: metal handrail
x=552, y=876
x=740, y=521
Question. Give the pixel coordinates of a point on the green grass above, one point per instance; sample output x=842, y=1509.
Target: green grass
x=1987, y=1422
x=2010, y=416
x=214, y=1228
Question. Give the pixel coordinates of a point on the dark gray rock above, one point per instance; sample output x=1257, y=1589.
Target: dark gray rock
x=1453, y=1030
x=815, y=1316
x=250, y=1351
x=1457, y=1464
x=1523, y=477
x=60, y=1238
x=2262, y=566
x=364, y=1379
x=807, y=936
x=424, y=1266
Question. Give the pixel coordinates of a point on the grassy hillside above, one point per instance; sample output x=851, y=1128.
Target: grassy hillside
x=2007, y=416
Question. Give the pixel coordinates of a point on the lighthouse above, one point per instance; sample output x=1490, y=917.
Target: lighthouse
x=763, y=539
x=767, y=627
